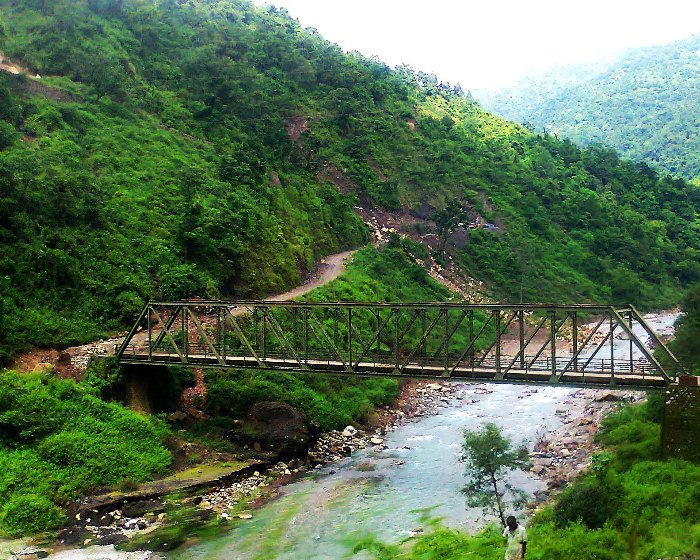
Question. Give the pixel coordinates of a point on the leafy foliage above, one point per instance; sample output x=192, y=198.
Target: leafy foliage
x=211, y=149
x=331, y=402
x=686, y=343
x=58, y=441
x=591, y=502
x=488, y=456
x=644, y=105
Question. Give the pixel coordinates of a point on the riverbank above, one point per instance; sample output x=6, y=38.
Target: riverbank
x=559, y=454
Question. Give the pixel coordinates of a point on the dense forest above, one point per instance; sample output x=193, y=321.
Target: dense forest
x=645, y=105
x=177, y=149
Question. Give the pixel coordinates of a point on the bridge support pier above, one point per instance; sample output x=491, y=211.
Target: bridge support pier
x=680, y=432
x=137, y=389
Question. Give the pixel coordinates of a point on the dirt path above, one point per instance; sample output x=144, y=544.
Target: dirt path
x=331, y=267
x=73, y=361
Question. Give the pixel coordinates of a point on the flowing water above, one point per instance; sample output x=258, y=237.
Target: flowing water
x=383, y=492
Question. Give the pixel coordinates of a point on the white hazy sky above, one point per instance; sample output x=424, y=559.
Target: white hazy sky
x=490, y=43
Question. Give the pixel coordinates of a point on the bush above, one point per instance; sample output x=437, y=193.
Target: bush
x=592, y=501
x=59, y=441
x=30, y=513
x=8, y=135
x=330, y=401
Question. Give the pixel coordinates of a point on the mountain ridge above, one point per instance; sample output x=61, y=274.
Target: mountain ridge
x=216, y=149
x=645, y=105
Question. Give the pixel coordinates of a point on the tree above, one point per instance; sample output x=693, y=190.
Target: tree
x=489, y=456
x=686, y=344
x=447, y=221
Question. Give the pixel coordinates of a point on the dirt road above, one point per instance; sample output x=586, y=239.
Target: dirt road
x=73, y=361
x=330, y=268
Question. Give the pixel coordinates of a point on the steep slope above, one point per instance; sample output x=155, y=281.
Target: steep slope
x=646, y=105
x=178, y=149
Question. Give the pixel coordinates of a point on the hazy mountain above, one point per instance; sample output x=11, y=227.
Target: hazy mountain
x=647, y=105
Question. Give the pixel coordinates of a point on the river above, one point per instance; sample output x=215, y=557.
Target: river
x=379, y=491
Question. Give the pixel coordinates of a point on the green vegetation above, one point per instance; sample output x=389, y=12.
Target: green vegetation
x=213, y=148
x=59, y=441
x=332, y=402
x=645, y=105
x=384, y=276
x=631, y=506
x=686, y=343
x=489, y=456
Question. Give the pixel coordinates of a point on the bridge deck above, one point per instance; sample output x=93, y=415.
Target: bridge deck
x=411, y=370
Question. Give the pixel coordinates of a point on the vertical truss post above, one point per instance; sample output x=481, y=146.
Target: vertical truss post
x=350, y=335
x=574, y=334
x=446, y=340
x=264, y=332
x=629, y=319
x=334, y=317
x=612, y=352
x=498, y=342
x=306, y=334
x=220, y=346
x=521, y=328
x=256, y=332
x=378, y=328
x=553, y=334
x=424, y=326
x=396, y=340
x=471, y=339
x=150, y=336
x=185, y=333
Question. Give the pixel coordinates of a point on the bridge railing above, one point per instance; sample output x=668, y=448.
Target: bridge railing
x=438, y=339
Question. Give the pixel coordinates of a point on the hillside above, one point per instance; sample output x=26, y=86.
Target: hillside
x=215, y=149
x=645, y=105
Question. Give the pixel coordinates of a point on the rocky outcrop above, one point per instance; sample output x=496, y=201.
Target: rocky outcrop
x=278, y=427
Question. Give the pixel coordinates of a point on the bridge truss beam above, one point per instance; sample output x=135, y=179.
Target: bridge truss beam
x=576, y=344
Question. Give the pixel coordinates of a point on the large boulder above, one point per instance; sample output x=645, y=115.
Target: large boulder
x=277, y=427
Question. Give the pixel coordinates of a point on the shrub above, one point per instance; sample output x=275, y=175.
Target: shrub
x=59, y=441
x=30, y=513
x=593, y=501
x=8, y=135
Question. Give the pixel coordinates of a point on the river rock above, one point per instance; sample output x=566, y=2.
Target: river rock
x=43, y=368
x=349, y=431
x=276, y=426
x=376, y=441
x=177, y=416
x=115, y=538
x=608, y=397
x=138, y=509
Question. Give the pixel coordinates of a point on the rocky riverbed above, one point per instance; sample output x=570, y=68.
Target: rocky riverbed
x=558, y=455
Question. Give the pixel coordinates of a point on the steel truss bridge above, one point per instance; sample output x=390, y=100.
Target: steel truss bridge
x=575, y=344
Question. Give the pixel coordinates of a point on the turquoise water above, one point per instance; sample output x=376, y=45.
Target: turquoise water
x=380, y=492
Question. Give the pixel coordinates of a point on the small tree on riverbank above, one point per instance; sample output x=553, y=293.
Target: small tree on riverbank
x=489, y=456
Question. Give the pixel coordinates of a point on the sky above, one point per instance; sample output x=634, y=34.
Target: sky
x=487, y=44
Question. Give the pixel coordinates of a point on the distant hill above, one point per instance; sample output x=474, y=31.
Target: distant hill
x=646, y=105
x=214, y=149
x=520, y=100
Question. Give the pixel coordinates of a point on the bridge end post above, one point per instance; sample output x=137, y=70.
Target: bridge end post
x=680, y=429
